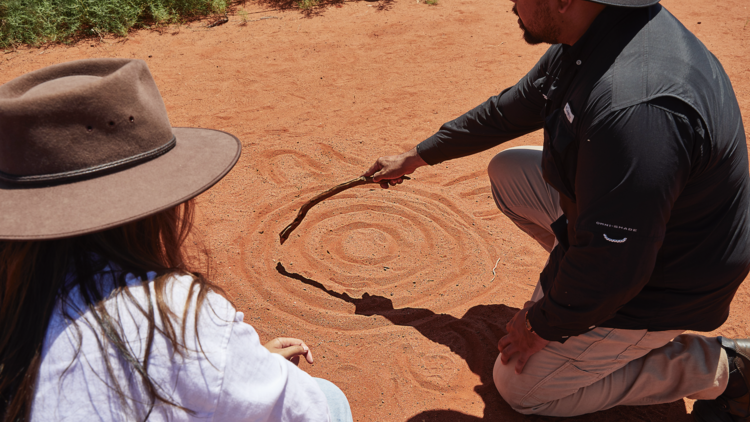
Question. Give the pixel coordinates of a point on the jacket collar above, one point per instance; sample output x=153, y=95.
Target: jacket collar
x=600, y=29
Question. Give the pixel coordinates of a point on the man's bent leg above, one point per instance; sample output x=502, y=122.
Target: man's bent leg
x=521, y=193
x=605, y=367
x=609, y=367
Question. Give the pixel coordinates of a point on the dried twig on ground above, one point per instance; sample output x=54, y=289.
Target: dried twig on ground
x=221, y=21
x=325, y=195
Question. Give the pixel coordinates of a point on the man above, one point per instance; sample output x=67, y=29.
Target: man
x=641, y=195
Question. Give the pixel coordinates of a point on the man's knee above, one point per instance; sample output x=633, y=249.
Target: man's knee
x=508, y=170
x=515, y=389
x=505, y=376
x=509, y=163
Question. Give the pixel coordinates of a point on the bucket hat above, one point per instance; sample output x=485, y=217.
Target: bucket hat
x=87, y=145
x=627, y=3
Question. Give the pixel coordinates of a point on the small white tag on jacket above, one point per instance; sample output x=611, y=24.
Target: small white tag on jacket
x=568, y=113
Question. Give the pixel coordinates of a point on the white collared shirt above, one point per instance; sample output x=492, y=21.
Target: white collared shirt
x=235, y=378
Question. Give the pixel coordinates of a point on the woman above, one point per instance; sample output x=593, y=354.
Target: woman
x=101, y=315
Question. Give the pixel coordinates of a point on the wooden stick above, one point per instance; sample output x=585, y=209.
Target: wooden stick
x=284, y=235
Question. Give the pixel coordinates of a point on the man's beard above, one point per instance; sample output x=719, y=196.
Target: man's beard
x=549, y=33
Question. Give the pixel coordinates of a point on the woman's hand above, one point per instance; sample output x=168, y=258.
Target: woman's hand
x=290, y=348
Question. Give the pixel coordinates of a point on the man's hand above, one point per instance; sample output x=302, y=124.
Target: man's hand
x=389, y=169
x=519, y=341
x=290, y=348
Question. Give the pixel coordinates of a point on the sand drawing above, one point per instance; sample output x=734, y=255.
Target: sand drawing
x=414, y=246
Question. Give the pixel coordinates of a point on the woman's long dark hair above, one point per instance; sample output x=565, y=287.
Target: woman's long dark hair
x=36, y=275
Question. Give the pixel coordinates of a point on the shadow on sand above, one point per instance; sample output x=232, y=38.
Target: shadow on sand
x=474, y=338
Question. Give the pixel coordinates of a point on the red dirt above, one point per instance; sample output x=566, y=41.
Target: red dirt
x=391, y=289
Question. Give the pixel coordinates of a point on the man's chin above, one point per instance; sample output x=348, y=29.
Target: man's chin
x=531, y=39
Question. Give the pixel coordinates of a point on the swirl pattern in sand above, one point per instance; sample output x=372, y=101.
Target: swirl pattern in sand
x=409, y=246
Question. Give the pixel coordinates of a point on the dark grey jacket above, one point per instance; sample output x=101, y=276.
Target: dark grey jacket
x=644, y=140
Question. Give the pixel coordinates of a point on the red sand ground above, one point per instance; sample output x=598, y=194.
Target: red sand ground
x=391, y=289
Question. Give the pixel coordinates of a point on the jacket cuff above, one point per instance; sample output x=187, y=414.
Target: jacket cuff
x=539, y=324
x=429, y=150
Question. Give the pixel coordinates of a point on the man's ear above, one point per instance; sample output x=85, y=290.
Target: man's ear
x=564, y=5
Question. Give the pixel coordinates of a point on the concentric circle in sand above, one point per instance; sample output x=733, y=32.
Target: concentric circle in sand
x=405, y=246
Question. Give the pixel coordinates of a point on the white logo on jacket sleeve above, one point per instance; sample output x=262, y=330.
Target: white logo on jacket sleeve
x=569, y=113
x=615, y=240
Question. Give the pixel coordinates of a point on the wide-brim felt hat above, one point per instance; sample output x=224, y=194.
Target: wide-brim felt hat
x=627, y=3
x=87, y=145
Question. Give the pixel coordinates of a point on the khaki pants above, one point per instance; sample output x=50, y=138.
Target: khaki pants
x=604, y=367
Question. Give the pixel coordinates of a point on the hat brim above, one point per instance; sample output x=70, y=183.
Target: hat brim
x=200, y=158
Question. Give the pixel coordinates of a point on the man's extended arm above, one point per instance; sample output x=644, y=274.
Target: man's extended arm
x=514, y=112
